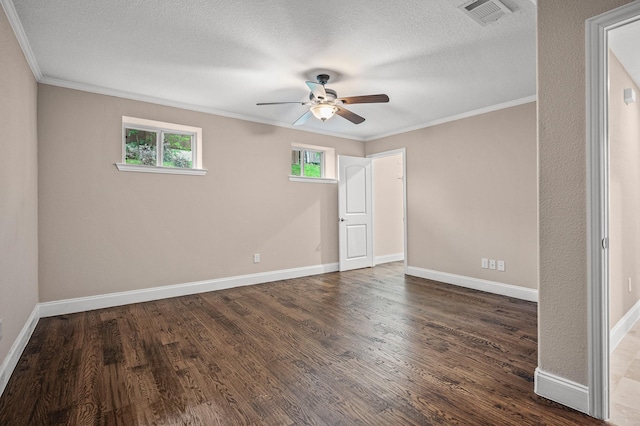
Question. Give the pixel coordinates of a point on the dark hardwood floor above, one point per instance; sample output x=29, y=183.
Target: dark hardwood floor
x=362, y=347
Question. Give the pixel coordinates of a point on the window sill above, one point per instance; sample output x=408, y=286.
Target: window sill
x=123, y=167
x=312, y=179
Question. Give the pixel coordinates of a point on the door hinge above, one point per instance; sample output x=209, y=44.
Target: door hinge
x=605, y=243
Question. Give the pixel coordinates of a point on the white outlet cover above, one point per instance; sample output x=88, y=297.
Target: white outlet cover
x=492, y=264
x=485, y=263
x=501, y=265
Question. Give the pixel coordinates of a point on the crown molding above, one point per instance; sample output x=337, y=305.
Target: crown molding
x=18, y=30
x=198, y=108
x=456, y=117
x=182, y=105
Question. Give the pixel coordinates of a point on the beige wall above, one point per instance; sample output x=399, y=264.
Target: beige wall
x=18, y=189
x=104, y=231
x=471, y=193
x=562, y=306
x=388, y=210
x=624, y=193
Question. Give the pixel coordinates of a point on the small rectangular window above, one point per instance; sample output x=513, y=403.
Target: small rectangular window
x=307, y=163
x=142, y=147
x=158, y=147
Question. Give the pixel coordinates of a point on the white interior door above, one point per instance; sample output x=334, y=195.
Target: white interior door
x=355, y=212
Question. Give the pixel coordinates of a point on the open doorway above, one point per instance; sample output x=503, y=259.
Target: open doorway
x=624, y=223
x=372, y=210
x=613, y=152
x=389, y=207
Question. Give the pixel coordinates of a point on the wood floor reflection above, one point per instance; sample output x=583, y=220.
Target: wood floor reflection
x=362, y=347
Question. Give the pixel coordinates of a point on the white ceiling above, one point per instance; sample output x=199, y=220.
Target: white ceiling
x=223, y=57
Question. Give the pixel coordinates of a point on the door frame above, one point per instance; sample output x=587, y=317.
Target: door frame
x=403, y=152
x=597, y=150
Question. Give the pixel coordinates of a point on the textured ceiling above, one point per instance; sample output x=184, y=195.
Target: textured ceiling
x=221, y=56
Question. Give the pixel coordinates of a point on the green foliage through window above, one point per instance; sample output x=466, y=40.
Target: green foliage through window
x=141, y=148
x=177, y=150
x=306, y=163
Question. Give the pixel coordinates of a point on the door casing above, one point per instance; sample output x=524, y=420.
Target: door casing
x=597, y=142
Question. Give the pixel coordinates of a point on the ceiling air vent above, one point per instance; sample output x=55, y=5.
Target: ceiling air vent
x=485, y=11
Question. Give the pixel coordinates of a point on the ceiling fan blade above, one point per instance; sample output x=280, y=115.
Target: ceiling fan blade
x=282, y=103
x=303, y=118
x=351, y=116
x=317, y=89
x=366, y=99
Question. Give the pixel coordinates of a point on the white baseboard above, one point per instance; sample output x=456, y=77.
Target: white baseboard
x=559, y=389
x=81, y=304
x=11, y=360
x=623, y=326
x=517, y=292
x=389, y=258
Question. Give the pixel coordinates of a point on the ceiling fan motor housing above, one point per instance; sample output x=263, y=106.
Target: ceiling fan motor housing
x=332, y=95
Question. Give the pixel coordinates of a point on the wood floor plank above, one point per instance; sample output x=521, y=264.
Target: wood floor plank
x=371, y=346
x=90, y=392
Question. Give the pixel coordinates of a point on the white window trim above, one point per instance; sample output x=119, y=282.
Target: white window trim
x=328, y=164
x=166, y=127
x=123, y=167
x=312, y=179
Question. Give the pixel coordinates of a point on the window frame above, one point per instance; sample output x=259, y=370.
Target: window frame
x=302, y=161
x=327, y=167
x=161, y=128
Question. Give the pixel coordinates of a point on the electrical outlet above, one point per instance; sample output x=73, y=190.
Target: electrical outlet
x=1, y=326
x=501, y=265
x=485, y=263
x=492, y=264
x=629, y=284
x=256, y=258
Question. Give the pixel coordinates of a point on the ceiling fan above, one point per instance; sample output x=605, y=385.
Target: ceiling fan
x=324, y=103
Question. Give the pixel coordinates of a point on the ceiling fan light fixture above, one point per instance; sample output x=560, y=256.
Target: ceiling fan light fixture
x=325, y=103
x=323, y=112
